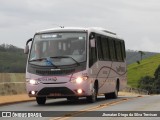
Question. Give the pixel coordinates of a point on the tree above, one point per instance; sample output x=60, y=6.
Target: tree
x=141, y=53
x=146, y=83
x=157, y=79
x=152, y=85
x=157, y=73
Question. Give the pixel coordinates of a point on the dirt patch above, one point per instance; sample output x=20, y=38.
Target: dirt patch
x=14, y=98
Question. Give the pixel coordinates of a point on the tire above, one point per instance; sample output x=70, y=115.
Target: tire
x=93, y=97
x=41, y=100
x=107, y=95
x=114, y=94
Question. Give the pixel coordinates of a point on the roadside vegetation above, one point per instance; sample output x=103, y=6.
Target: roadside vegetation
x=145, y=74
x=151, y=84
x=12, y=59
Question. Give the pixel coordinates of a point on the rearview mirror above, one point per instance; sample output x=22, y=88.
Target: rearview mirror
x=26, y=49
x=92, y=43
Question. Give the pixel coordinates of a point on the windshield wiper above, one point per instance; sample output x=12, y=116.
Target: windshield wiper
x=39, y=59
x=67, y=57
x=47, y=60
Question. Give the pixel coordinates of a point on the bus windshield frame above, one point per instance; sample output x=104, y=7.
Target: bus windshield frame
x=47, y=47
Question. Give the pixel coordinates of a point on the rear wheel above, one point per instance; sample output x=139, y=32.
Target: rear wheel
x=115, y=93
x=107, y=95
x=41, y=100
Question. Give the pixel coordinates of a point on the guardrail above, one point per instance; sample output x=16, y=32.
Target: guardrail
x=12, y=88
x=136, y=90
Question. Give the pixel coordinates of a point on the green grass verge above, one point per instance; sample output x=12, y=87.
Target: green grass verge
x=146, y=67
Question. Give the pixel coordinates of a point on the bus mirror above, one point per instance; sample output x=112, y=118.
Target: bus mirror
x=26, y=49
x=92, y=43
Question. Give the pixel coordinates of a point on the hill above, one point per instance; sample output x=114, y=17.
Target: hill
x=146, y=67
x=134, y=56
x=12, y=59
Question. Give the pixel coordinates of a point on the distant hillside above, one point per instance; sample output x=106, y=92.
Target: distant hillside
x=146, y=67
x=12, y=59
x=134, y=56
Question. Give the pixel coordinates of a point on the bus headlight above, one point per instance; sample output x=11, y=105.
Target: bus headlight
x=79, y=80
x=33, y=82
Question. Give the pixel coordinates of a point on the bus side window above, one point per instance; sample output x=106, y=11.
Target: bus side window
x=99, y=47
x=105, y=47
x=123, y=50
x=92, y=54
x=112, y=50
x=118, y=50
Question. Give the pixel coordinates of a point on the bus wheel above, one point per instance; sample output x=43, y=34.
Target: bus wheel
x=41, y=100
x=93, y=97
x=115, y=93
x=107, y=95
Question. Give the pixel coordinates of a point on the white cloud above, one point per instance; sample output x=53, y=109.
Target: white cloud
x=146, y=43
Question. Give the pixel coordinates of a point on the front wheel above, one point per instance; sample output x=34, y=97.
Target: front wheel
x=41, y=100
x=93, y=97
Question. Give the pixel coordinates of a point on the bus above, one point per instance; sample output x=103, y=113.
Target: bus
x=75, y=62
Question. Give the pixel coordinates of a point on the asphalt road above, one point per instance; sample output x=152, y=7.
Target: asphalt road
x=61, y=107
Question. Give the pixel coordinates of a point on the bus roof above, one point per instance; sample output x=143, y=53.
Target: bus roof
x=80, y=29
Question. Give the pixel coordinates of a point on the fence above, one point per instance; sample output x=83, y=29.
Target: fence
x=136, y=90
x=12, y=88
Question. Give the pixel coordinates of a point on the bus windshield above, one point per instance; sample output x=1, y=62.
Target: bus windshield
x=58, y=48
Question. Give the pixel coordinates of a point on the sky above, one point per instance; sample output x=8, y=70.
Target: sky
x=136, y=21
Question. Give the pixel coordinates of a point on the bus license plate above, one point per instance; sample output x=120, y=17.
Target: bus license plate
x=55, y=94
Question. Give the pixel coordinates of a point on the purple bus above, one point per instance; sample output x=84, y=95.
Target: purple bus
x=75, y=62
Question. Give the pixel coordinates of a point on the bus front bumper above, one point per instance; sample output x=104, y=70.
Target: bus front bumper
x=60, y=90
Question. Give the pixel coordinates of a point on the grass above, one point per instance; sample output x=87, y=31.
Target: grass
x=146, y=67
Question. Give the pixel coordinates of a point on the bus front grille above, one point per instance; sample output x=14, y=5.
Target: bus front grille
x=49, y=72
x=63, y=91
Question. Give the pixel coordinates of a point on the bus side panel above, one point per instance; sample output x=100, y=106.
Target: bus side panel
x=107, y=73
x=118, y=72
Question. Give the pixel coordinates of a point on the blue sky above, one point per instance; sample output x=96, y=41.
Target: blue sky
x=136, y=21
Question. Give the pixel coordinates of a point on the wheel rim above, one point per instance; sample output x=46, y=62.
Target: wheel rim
x=116, y=91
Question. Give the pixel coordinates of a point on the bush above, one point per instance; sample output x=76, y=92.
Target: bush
x=152, y=85
x=146, y=83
